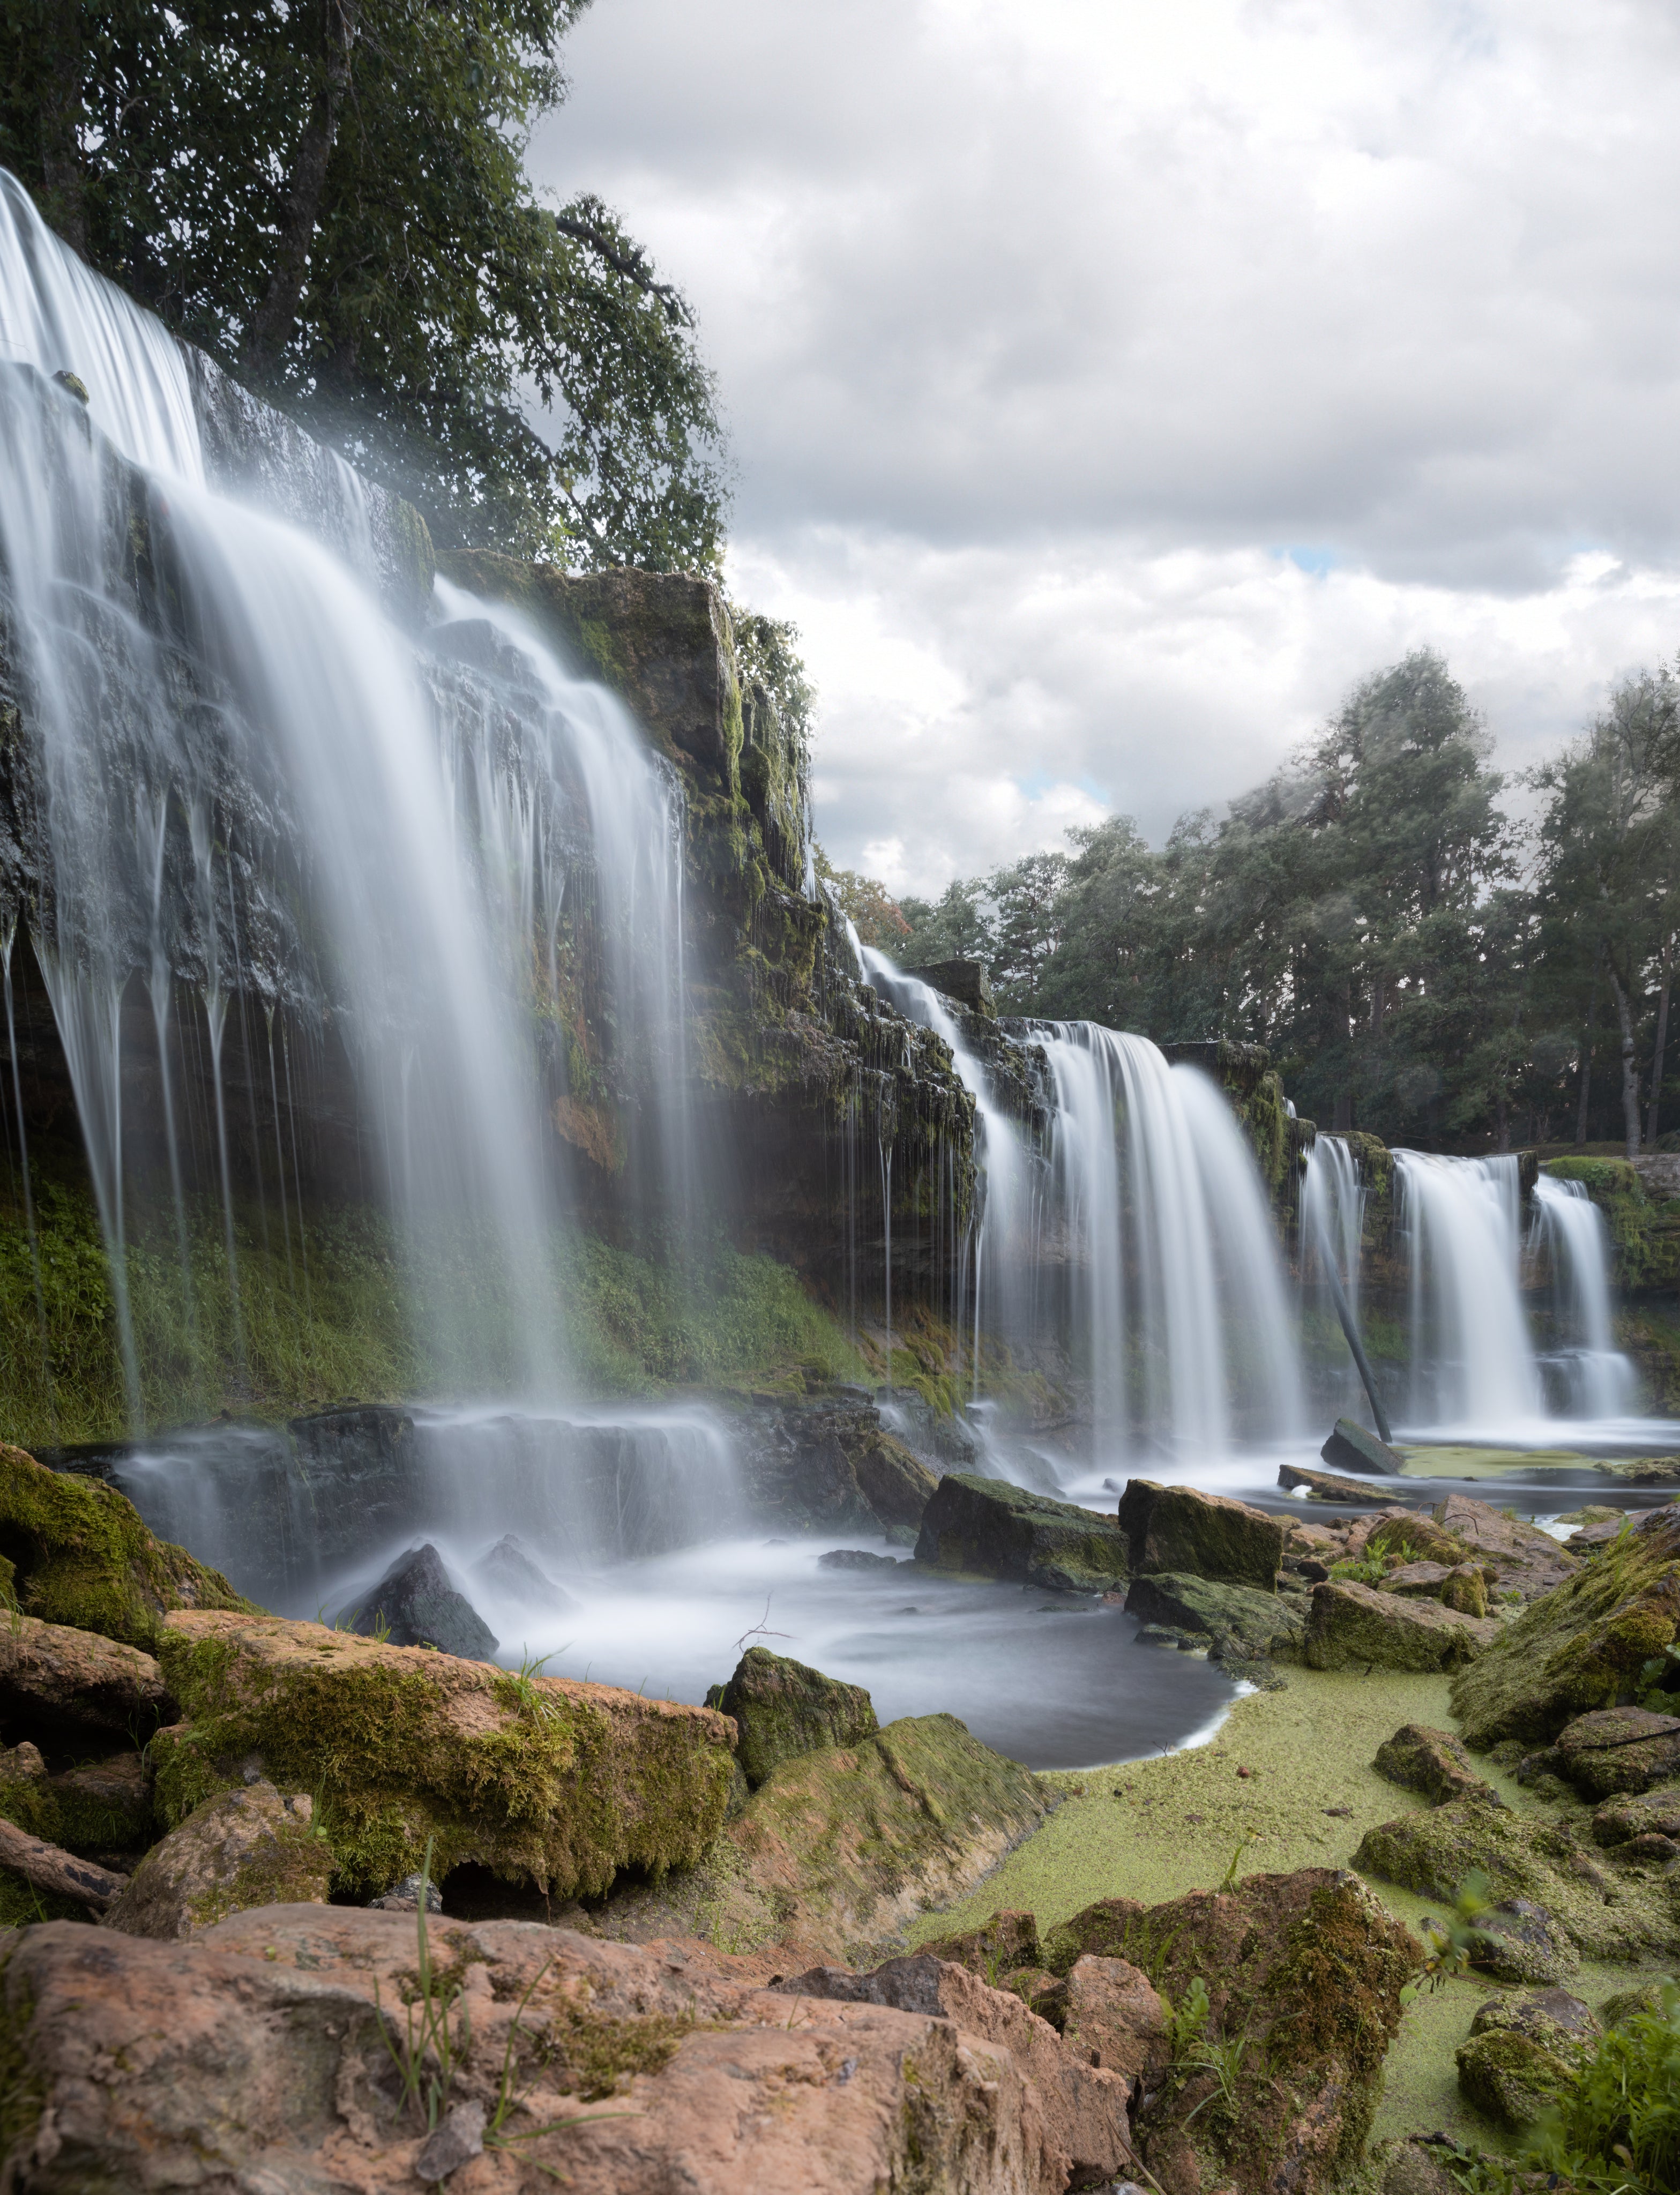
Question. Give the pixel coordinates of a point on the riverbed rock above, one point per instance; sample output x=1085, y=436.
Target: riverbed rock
x=1432, y=1762
x=857, y=1558
x=1525, y=1560
x=251, y=1847
x=1084, y=2107
x=97, y=1808
x=832, y=1467
x=253, y=2055
x=57, y=1682
x=1308, y=1968
x=1586, y=1908
x=538, y=1778
x=1243, y=1624
x=1617, y=1749
x=1351, y=1448
x=1325, y=1486
x=1619, y=1820
x=993, y=1528
x=1179, y=1529
x=1356, y=1626
x=782, y=1709
x=74, y=1552
x=414, y=1604
x=896, y=1484
x=837, y=1850
x=1511, y=2078
x=1578, y=1647
x=507, y=1572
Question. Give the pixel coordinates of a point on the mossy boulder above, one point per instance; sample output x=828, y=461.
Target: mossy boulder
x=1353, y=1626
x=1308, y=1967
x=836, y=1851
x=1582, y=1646
x=75, y=1552
x=1510, y=2077
x=246, y=1847
x=993, y=1528
x=104, y=1806
x=1351, y=1448
x=557, y=1783
x=1244, y=1625
x=57, y=1682
x=1432, y=1762
x=1181, y=1529
x=1414, y=1536
x=1653, y=1813
x=1620, y=1916
x=782, y=1709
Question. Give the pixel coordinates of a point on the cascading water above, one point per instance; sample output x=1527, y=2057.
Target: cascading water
x=1472, y=1359
x=1331, y=1230
x=1590, y=1377
x=1176, y=1277
x=366, y=837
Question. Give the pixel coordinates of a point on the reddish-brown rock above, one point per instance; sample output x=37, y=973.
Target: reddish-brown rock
x=1114, y=2018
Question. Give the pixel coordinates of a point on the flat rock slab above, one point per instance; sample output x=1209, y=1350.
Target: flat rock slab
x=1325, y=1486
x=1181, y=1529
x=1354, y=1625
x=1351, y=1448
x=1619, y=1749
x=1257, y=1623
x=252, y=2055
x=54, y=1679
x=991, y=1528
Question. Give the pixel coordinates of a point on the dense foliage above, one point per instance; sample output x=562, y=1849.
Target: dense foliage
x=1420, y=962
x=329, y=196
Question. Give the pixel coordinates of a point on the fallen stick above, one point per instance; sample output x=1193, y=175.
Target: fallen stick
x=50, y=1867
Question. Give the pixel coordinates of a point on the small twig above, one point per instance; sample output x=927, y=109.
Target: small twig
x=761, y=1629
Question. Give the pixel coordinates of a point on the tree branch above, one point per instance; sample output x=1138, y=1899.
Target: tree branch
x=631, y=264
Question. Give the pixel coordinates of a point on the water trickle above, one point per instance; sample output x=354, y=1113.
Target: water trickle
x=1588, y=1374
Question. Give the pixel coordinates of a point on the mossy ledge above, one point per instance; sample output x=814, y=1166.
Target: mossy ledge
x=543, y=1780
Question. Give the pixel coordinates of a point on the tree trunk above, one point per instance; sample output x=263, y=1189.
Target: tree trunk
x=271, y=323
x=61, y=129
x=1586, y=1051
x=1651, y=1118
x=1630, y=1071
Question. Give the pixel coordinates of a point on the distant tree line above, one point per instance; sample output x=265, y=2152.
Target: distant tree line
x=1418, y=961
x=329, y=196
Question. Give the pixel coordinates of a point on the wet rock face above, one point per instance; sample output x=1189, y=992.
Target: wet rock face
x=414, y=1604
x=1522, y=2053
x=1350, y=1447
x=1178, y=1528
x=57, y=1681
x=995, y=1529
x=1433, y=1762
x=782, y=1709
x=257, y=2043
x=1583, y=1646
x=832, y=1467
x=245, y=1848
x=1352, y=1625
x=1244, y=1625
x=1617, y=1749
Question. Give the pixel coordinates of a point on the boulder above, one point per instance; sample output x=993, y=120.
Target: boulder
x=782, y=1709
x=538, y=1777
x=1244, y=1625
x=1431, y=1761
x=1465, y=1589
x=1412, y=1535
x=1512, y=2079
x=993, y=1528
x=1113, y=2015
x=1350, y=1447
x=102, y=1807
x=1617, y=1749
x=1523, y=1558
x=1411, y=2169
x=1518, y=1941
x=1551, y=2017
x=838, y=1850
x=857, y=1558
x=60, y=1682
x=1580, y=1646
x=254, y=2054
x=1084, y=2107
x=1324, y=1486
x=1420, y=1582
x=243, y=1848
x=1004, y=1943
x=1354, y=1626
x=1618, y=1821
x=1308, y=1968
x=74, y=1552
x=507, y=1572
x=414, y=1604
x=897, y=1485
x=1178, y=1528
x=1546, y=1878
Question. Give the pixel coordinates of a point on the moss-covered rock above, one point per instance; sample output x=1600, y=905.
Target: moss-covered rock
x=782, y=1709
x=1183, y=1530
x=1654, y=1814
x=993, y=1528
x=1353, y=1626
x=1431, y=1761
x=60, y=1683
x=1623, y=1915
x=559, y=1784
x=1510, y=2077
x=1416, y=1537
x=104, y=1806
x=1581, y=1646
x=1244, y=1625
x=75, y=1552
x=1617, y=1749
x=836, y=1851
x=243, y=1848
x=1351, y=1448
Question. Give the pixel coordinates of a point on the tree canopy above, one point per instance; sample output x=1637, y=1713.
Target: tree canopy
x=329, y=196
x=1417, y=961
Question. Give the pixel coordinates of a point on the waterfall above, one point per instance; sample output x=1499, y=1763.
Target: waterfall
x=1472, y=1359
x=1332, y=1233
x=1177, y=1282
x=1594, y=1380
x=261, y=782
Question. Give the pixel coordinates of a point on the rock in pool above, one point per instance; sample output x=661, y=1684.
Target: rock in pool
x=414, y=1604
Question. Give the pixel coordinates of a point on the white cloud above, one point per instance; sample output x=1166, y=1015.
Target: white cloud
x=1043, y=333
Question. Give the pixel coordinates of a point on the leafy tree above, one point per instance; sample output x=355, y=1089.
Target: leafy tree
x=872, y=911
x=328, y=195
x=957, y=926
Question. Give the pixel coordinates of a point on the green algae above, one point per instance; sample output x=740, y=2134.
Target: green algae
x=782, y=1709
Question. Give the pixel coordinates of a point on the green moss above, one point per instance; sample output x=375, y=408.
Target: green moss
x=537, y=1779
x=22, y=1906
x=1511, y=2077
x=1645, y=1235
x=23, y=2093
x=81, y=1820
x=781, y=1708
x=82, y=1556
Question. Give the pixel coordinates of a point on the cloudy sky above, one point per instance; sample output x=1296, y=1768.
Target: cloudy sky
x=1112, y=382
